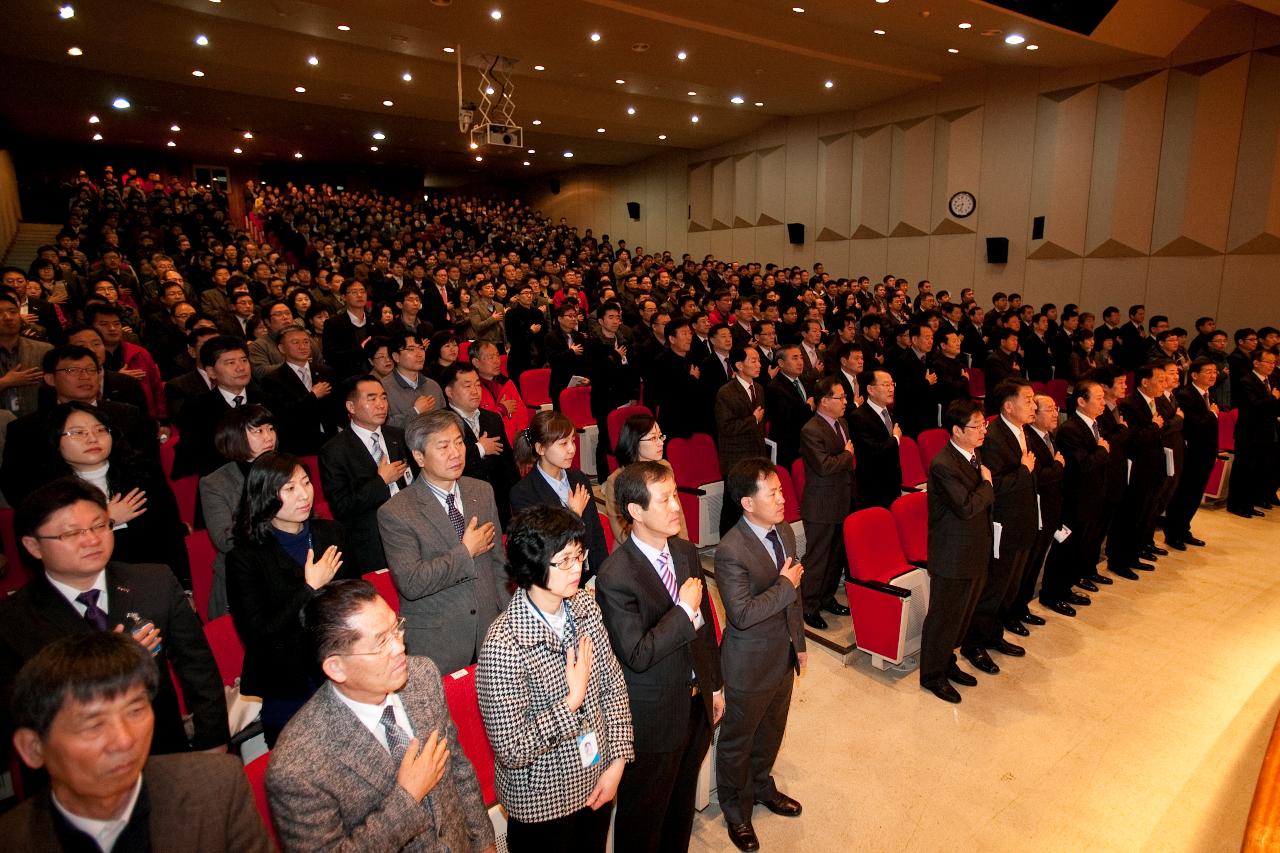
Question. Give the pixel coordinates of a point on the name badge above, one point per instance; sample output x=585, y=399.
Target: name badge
x=588, y=749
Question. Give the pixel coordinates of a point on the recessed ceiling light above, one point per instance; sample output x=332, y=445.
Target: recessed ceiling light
x=737, y=99
x=496, y=14
x=237, y=150
x=1033, y=47
x=539, y=68
x=300, y=89
x=97, y=137
x=66, y=12
x=1014, y=38
x=952, y=50
x=691, y=94
x=620, y=81
x=197, y=73
x=526, y=162
x=173, y=128
x=379, y=135
x=878, y=32
x=595, y=37
x=532, y=151
x=759, y=103
x=479, y=159
x=799, y=10
x=343, y=28
x=488, y=90
x=448, y=50
x=313, y=60
x=694, y=118
x=171, y=144
x=121, y=103
x=297, y=155
x=248, y=134
x=829, y=84
x=75, y=51
x=682, y=56
x=473, y=146
x=406, y=77
x=94, y=119
x=966, y=25
x=631, y=111
x=373, y=148
x=202, y=40
x=568, y=155
x=537, y=121
x=599, y=130
x=388, y=103
x=662, y=136
x=882, y=1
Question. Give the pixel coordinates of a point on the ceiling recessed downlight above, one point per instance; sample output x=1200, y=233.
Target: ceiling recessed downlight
x=479, y=159
x=682, y=56
x=737, y=99
x=878, y=32
x=313, y=60
x=121, y=103
x=966, y=25
x=94, y=119
x=662, y=136
x=448, y=50
x=237, y=150
x=537, y=121
x=595, y=37
x=691, y=94
x=173, y=128
x=496, y=14
x=301, y=90
x=474, y=145
x=952, y=50
x=620, y=81
x=248, y=134
x=599, y=130
x=532, y=151
x=568, y=155
x=406, y=77
x=1033, y=47
x=373, y=148
x=197, y=73
x=66, y=13
x=799, y=10
x=631, y=111
x=694, y=118
x=388, y=103
x=171, y=144
x=829, y=84
x=1014, y=38
x=297, y=155
x=526, y=162
x=759, y=103
x=539, y=68
x=379, y=135
x=343, y=28
x=202, y=40
x=97, y=137
x=75, y=51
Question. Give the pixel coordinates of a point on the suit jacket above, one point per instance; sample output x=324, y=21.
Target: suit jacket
x=1037, y=358
x=25, y=399
x=1171, y=433
x=496, y=469
x=1000, y=365
x=332, y=785
x=1146, y=446
x=1200, y=424
x=195, y=453
x=1255, y=426
x=1131, y=347
x=613, y=384
x=220, y=497
x=740, y=436
x=960, y=504
x=342, y=344
x=564, y=362
x=1117, y=435
x=952, y=384
x=878, y=467
x=828, y=472
x=787, y=414
x=763, y=631
x=355, y=491
x=305, y=422
x=671, y=387
x=527, y=346
x=1086, y=474
x=915, y=404
x=656, y=643
x=447, y=597
x=433, y=306
x=1048, y=475
x=190, y=804
x=38, y=614
x=182, y=389
x=1015, y=488
x=534, y=490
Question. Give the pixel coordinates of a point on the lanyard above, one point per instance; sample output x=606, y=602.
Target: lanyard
x=570, y=631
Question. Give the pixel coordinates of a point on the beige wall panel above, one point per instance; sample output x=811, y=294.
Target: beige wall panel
x=722, y=243
x=1113, y=281
x=834, y=124
x=771, y=242
x=1060, y=182
x=1255, y=206
x=699, y=244
x=722, y=180
x=744, y=190
x=873, y=152
x=771, y=181
x=1226, y=30
x=744, y=244
x=957, y=165
x=835, y=187
x=869, y=258
x=1185, y=288
x=874, y=116
x=911, y=178
x=908, y=257
x=951, y=262
x=834, y=254
x=802, y=173
x=700, y=197
x=1250, y=293
x=962, y=91
x=772, y=134
x=676, y=181
x=913, y=105
x=1053, y=281
x=1057, y=79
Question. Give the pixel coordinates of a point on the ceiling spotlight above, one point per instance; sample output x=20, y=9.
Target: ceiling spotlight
x=388, y=103
x=300, y=89
x=526, y=162
x=343, y=28
x=539, y=68
x=568, y=155
x=202, y=40
x=379, y=135
x=662, y=136
x=882, y=1
x=830, y=84
x=94, y=119
x=66, y=12
x=799, y=10
x=248, y=134
x=691, y=94
x=595, y=37
x=173, y=128
x=448, y=50
x=373, y=148
x=694, y=118
x=488, y=90
x=171, y=144
x=97, y=137
x=532, y=151
x=682, y=56
x=237, y=150
x=197, y=73
x=1014, y=38
x=75, y=51
x=121, y=103
x=878, y=32
x=1033, y=47
x=297, y=155
x=737, y=99
x=479, y=159
x=537, y=121
x=599, y=130
x=313, y=60
x=759, y=103
x=473, y=146
x=406, y=77
x=952, y=50
x=631, y=111
x=620, y=81
x=496, y=14
x=966, y=26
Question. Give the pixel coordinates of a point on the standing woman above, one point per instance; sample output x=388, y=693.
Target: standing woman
x=281, y=558
x=552, y=694
x=546, y=449
x=242, y=436
x=639, y=440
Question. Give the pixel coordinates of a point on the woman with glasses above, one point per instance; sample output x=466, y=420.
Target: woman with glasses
x=282, y=556
x=143, y=510
x=552, y=693
x=639, y=440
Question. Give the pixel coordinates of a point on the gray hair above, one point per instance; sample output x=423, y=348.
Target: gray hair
x=427, y=424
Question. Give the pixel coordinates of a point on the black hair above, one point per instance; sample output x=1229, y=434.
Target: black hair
x=545, y=428
x=453, y=371
x=230, y=437
x=1201, y=363
x=744, y=477
x=351, y=389
x=215, y=348
x=68, y=352
x=536, y=535
x=326, y=615
x=374, y=343
x=959, y=413
x=267, y=476
x=632, y=485
x=1145, y=371
x=1006, y=389
x=633, y=430
x=1081, y=391
x=438, y=342
x=42, y=503
x=674, y=326
x=95, y=309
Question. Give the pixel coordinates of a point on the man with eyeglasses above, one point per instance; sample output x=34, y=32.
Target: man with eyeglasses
x=372, y=761
x=875, y=434
x=65, y=526
x=409, y=391
x=827, y=452
x=566, y=349
x=347, y=330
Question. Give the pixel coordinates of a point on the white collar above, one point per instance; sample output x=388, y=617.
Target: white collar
x=745, y=383
x=231, y=398
x=70, y=592
x=358, y=323
x=104, y=832
x=967, y=454
x=370, y=716
x=651, y=554
x=876, y=407
x=366, y=436
x=1082, y=416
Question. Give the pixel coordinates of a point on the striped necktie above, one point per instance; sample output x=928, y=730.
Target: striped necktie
x=668, y=576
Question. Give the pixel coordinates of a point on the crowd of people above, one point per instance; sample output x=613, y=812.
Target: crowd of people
x=393, y=341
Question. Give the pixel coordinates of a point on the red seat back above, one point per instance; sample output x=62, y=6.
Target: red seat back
x=185, y=491
x=1040, y=387
x=608, y=532
x=228, y=651
x=15, y=574
x=312, y=465
x=798, y=476
x=201, y=554
x=977, y=382
x=715, y=620
x=386, y=587
x=614, y=422
x=464, y=708
x=792, y=509
x=694, y=460
x=930, y=443
x=576, y=405
x=871, y=542
x=1227, y=430
x=167, y=449
x=256, y=772
x=464, y=350
x=909, y=455
x=1057, y=390
x=911, y=517
x=535, y=386
x=502, y=364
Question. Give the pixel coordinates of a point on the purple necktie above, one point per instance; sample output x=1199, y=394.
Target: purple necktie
x=93, y=614
x=668, y=576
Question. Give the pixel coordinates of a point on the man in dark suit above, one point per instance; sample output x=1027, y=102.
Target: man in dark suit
x=362, y=467
x=105, y=793
x=716, y=372
x=526, y=328
x=700, y=345
x=1258, y=402
x=662, y=630
x=1003, y=360
x=827, y=452
x=788, y=404
x=1175, y=445
x=673, y=383
x=303, y=393
x=438, y=299
x=1113, y=427
x=916, y=408
x=116, y=386
x=739, y=415
x=1145, y=449
x=615, y=381
x=566, y=349
x=185, y=387
x=227, y=361
x=1200, y=427
x=489, y=457
x=65, y=526
x=875, y=436
x=763, y=648
x=346, y=331
x=960, y=501
x=1011, y=463
x=953, y=376
x=1037, y=357
x=1048, y=475
x=1131, y=340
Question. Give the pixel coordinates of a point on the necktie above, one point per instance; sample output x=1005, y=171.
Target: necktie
x=1048, y=442
x=455, y=517
x=1097, y=433
x=800, y=389
x=305, y=375
x=778, y=553
x=377, y=449
x=888, y=420
x=840, y=432
x=667, y=575
x=238, y=400
x=93, y=614
x=1152, y=404
x=977, y=466
x=397, y=738
x=751, y=392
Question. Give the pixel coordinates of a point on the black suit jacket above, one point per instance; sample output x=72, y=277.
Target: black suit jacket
x=1117, y=435
x=1200, y=424
x=182, y=389
x=1131, y=347
x=342, y=343
x=999, y=365
x=960, y=504
x=656, y=643
x=38, y=614
x=1037, y=358
x=355, y=491
x=497, y=469
x=613, y=383
x=534, y=490
x=305, y=423
x=1015, y=488
x=1145, y=447
x=879, y=468
x=952, y=384
x=433, y=307
x=1049, y=473
x=828, y=472
x=787, y=414
x=1086, y=474
x=1256, y=424
x=195, y=453
x=671, y=390
x=564, y=362
x=740, y=435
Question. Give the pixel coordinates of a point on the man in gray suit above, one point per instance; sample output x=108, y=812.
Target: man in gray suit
x=763, y=646
x=827, y=451
x=443, y=543
x=20, y=360
x=372, y=761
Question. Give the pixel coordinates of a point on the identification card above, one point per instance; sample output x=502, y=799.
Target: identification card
x=588, y=749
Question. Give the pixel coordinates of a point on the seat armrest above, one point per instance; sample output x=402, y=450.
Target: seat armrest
x=880, y=586
x=689, y=490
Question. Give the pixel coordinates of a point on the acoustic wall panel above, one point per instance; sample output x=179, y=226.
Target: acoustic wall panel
x=744, y=190
x=911, y=178
x=872, y=157
x=835, y=186
x=722, y=194
x=1255, y=205
x=771, y=181
x=1061, y=158
x=957, y=165
x=700, y=197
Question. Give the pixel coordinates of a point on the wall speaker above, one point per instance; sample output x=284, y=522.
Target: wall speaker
x=554, y=184
x=633, y=210
x=1037, y=228
x=997, y=250
x=795, y=233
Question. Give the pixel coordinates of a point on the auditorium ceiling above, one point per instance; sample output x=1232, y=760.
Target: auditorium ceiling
x=602, y=79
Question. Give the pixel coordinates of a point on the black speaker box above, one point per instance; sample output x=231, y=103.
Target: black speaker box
x=997, y=250
x=633, y=210
x=554, y=183
x=795, y=233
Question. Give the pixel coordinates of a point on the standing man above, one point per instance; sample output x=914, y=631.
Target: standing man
x=566, y=349
x=960, y=501
x=789, y=403
x=525, y=324
x=409, y=391
x=489, y=457
x=20, y=359
x=226, y=360
x=1147, y=475
x=917, y=409
x=739, y=413
x=615, y=382
x=763, y=647
x=1259, y=406
x=875, y=438
x=346, y=331
x=1048, y=476
x=659, y=620
x=303, y=391
x=1200, y=427
x=827, y=452
x=674, y=382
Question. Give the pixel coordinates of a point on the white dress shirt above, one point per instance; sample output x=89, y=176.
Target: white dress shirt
x=104, y=832
x=70, y=592
x=230, y=396
x=651, y=554
x=473, y=421
x=366, y=438
x=370, y=716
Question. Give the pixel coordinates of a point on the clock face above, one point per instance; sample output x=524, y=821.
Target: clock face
x=962, y=204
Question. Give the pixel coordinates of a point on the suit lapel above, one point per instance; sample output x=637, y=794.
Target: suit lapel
x=121, y=599
x=648, y=575
x=358, y=749
x=434, y=512
x=49, y=604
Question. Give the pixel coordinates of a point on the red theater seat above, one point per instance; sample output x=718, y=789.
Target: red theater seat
x=201, y=554
x=228, y=651
x=911, y=517
x=929, y=443
x=464, y=708
x=698, y=484
x=888, y=597
x=535, y=387
x=912, y=473
x=381, y=580
x=256, y=772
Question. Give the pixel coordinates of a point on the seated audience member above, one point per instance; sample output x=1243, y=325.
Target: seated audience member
x=666, y=642
x=498, y=394
x=639, y=440
x=409, y=391
x=443, y=543
x=302, y=391
x=117, y=386
x=193, y=383
x=442, y=351
x=381, y=716
x=875, y=434
x=489, y=457
x=361, y=468
x=227, y=361
x=108, y=793
x=282, y=557
x=547, y=449
x=129, y=358
x=66, y=526
x=553, y=697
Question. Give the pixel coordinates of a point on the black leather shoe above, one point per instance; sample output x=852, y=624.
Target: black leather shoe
x=1005, y=647
x=1013, y=626
x=959, y=676
x=1100, y=580
x=1157, y=550
x=1148, y=554
x=945, y=691
x=783, y=805
x=1124, y=572
x=1087, y=585
x=1031, y=619
x=1191, y=540
x=1246, y=513
x=815, y=621
x=743, y=836
x=1265, y=505
x=1078, y=599
x=1060, y=607
x=1143, y=567
x=1175, y=544
x=835, y=608
x=981, y=660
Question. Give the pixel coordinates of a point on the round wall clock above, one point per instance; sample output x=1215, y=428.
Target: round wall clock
x=962, y=204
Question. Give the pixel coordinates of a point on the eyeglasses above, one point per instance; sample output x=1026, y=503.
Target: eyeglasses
x=658, y=437
x=887, y=384
x=77, y=371
x=81, y=433
x=396, y=633
x=71, y=536
x=569, y=564
x=982, y=427
x=842, y=398
x=412, y=348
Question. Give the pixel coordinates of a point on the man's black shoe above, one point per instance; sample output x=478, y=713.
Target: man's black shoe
x=981, y=660
x=835, y=608
x=815, y=621
x=1031, y=619
x=743, y=837
x=959, y=676
x=944, y=691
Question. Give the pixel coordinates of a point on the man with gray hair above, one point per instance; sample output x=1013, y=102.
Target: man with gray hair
x=443, y=542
